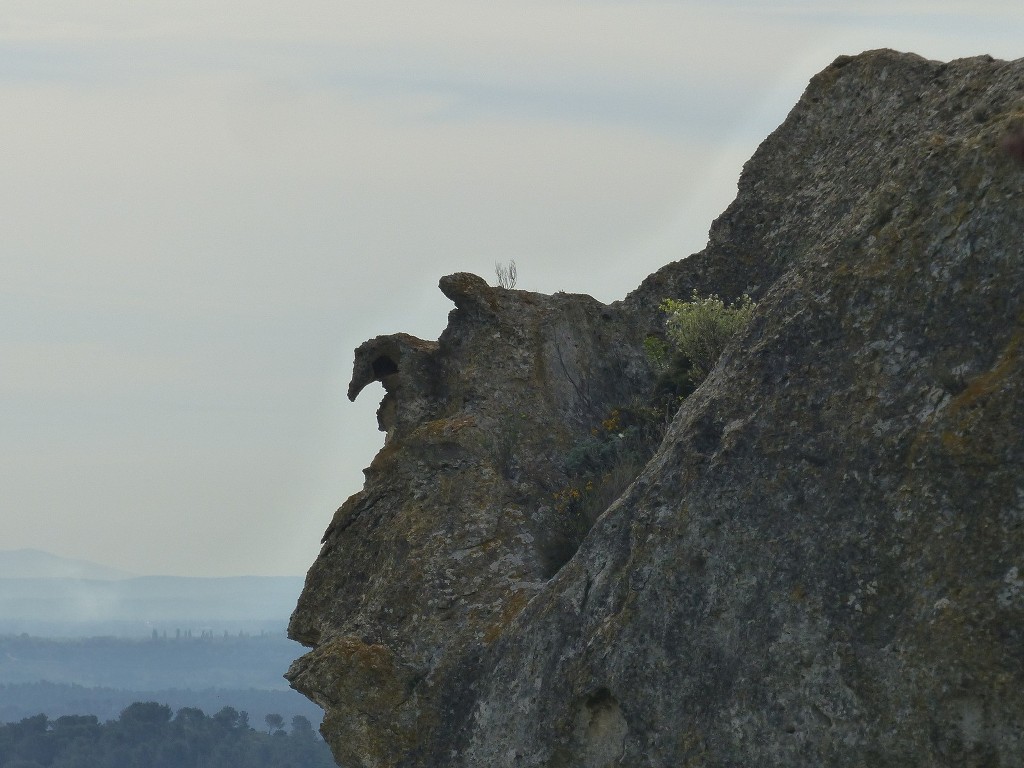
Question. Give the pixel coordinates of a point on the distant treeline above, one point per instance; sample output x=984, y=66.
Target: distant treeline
x=137, y=630
x=150, y=735
x=22, y=700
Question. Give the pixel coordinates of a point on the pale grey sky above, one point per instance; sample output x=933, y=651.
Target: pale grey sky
x=208, y=205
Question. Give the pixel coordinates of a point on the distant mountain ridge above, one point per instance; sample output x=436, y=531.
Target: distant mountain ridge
x=42, y=594
x=37, y=564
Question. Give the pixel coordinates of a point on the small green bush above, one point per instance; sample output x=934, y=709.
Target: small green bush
x=603, y=464
x=700, y=328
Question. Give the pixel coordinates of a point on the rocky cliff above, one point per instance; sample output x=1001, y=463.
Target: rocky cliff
x=822, y=563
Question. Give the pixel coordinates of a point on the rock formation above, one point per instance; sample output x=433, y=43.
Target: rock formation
x=822, y=564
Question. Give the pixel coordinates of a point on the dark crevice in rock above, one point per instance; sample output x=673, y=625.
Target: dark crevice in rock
x=555, y=553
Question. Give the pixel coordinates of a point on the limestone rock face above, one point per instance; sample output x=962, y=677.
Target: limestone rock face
x=823, y=564
x=456, y=528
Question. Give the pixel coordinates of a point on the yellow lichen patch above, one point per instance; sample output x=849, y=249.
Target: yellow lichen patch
x=512, y=608
x=440, y=429
x=692, y=748
x=351, y=658
x=366, y=689
x=962, y=414
x=986, y=383
x=385, y=457
x=953, y=442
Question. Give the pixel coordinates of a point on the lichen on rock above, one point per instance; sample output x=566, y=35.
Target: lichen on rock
x=455, y=529
x=822, y=563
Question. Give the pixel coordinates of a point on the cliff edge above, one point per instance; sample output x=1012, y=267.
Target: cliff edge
x=822, y=562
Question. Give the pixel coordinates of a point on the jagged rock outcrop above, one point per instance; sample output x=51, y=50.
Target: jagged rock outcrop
x=823, y=564
x=456, y=528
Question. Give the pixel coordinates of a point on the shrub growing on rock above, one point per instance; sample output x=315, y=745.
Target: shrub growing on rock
x=700, y=328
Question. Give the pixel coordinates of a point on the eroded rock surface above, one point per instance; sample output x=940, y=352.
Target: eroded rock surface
x=824, y=562
x=456, y=529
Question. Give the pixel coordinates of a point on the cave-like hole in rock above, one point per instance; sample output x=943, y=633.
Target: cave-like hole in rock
x=601, y=731
x=555, y=553
x=384, y=366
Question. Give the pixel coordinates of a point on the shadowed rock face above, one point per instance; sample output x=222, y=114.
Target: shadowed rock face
x=824, y=562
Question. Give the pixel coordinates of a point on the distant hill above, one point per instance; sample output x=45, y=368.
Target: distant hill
x=49, y=596
x=145, y=664
x=133, y=607
x=81, y=638
x=36, y=564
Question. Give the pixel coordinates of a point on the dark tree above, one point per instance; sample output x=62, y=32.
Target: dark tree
x=146, y=713
x=301, y=727
x=274, y=722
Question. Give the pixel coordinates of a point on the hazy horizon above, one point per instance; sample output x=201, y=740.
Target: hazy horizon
x=214, y=205
x=34, y=563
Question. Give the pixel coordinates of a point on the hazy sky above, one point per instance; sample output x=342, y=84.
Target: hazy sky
x=207, y=205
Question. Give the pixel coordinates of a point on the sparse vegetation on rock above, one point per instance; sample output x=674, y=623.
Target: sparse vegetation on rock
x=700, y=328
x=696, y=332
x=507, y=275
